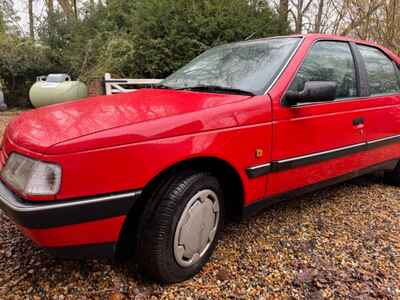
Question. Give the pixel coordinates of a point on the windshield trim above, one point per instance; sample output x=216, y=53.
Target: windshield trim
x=278, y=74
x=265, y=39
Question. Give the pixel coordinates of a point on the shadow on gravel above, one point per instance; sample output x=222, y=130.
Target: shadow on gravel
x=314, y=199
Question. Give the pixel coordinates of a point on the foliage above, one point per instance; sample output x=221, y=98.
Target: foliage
x=20, y=62
x=8, y=17
x=149, y=38
x=155, y=37
x=169, y=33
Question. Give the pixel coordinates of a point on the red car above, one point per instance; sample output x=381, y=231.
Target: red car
x=242, y=126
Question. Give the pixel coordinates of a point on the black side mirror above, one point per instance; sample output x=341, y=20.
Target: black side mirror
x=314, y=91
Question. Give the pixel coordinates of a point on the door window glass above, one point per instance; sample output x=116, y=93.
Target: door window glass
x=382, y=72
x=329, y=61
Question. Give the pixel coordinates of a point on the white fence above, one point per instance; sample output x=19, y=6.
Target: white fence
x=123, y=85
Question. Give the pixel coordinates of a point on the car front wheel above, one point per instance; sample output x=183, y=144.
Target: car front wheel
x=180, y=226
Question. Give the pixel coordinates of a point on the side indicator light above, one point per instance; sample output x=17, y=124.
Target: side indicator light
x=259, y=153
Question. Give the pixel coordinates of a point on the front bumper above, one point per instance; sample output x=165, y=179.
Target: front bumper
x=74, y=228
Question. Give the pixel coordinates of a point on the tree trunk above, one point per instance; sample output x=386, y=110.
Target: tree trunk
x=318, y=18
x=391, y=32
x=50, y=12
x=67, y=7
x=361, y=19
x=299, y=19
x=50, y=5
x=75, y=10
x=31, y=25
x=299, y=22
x=2, y=23
x=284, y=11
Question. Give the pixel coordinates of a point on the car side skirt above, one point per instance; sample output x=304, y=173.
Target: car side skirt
x=268, y=201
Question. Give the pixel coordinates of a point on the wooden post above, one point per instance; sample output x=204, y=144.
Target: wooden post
x=107, y=86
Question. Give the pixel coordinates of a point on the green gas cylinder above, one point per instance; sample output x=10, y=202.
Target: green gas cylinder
x=56, y=88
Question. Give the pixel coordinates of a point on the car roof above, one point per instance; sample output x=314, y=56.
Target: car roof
x=319, y=36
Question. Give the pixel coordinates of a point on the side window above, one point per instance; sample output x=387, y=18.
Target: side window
x=383, y=77
x=329, y=61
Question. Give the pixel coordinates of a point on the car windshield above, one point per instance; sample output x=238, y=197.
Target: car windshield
x=247, y=67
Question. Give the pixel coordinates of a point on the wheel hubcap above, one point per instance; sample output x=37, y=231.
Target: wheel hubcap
x=196, y=228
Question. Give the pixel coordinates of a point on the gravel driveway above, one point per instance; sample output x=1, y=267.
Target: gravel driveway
x=341, y=242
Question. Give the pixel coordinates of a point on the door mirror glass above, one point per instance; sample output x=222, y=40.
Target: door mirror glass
x=314, y=91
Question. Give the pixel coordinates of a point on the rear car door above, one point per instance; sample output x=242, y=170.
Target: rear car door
x=314, y=142
x=382, y=119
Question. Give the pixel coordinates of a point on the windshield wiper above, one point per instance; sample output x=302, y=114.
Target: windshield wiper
x=161, y=86
x=217, y=88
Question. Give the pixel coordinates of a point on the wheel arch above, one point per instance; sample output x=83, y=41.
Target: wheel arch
x=226, y=174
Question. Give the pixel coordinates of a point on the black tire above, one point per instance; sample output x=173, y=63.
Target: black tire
x=392, y=177
x=155, y=254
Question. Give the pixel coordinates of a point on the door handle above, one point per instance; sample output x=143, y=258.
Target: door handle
x=358, y=121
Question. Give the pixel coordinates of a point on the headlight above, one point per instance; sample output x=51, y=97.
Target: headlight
x=31, y=176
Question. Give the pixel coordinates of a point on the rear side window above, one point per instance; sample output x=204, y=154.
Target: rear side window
x=329, y=61
x=383, y=74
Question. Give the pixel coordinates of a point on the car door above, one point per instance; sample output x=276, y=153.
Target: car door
x=382, y=119
x=315, y=142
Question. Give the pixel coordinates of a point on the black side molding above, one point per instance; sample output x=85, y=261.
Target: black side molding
x=285, y=164
x=290, y=163
x=263, y=203
x=259, y=170
x=383, y=142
